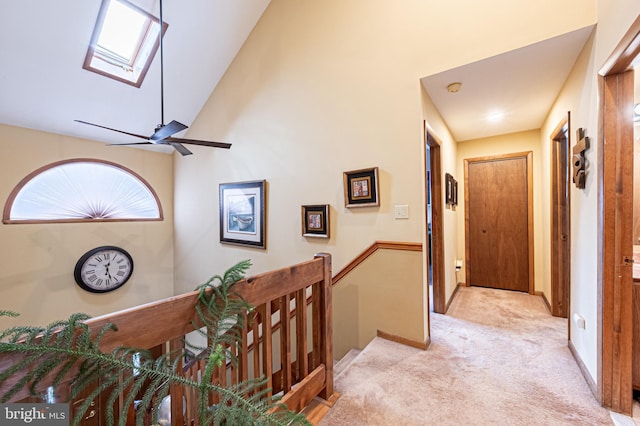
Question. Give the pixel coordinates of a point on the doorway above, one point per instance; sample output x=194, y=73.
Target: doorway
x=560, y=219
x=435, y=223
x=615, y=181
x=499, y=222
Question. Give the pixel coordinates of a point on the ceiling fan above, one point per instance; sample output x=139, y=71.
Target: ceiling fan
x=163, y=133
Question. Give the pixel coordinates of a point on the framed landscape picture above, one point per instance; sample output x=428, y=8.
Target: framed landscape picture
x=315, y=221
x=242, y=213
x=361, y=188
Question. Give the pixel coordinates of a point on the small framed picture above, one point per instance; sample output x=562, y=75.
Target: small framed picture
x=448, y=194
x=361, y=188
x=315, y=221
x=242, y=213
x=455, y=193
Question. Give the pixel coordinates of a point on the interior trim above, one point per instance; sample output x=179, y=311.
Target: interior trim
x=404, y=341
x=583, y=369
x=453, y=295
x=6, y=215
x=378, y=245
x=544, y=299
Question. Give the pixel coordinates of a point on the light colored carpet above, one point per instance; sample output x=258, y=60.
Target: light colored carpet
x=496, y=358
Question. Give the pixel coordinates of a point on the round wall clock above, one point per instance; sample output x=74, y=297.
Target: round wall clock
x=103, y=269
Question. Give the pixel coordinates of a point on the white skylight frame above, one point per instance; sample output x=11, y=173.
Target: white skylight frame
x=105, y=55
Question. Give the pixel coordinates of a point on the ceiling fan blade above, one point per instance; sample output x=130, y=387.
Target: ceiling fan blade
x=166, y=131
x=180, y=148
x=114, y=130
x=199, y=142
x=130, y=143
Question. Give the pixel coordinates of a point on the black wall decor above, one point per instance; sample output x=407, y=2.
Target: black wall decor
x=579, y=161
x=451, y=190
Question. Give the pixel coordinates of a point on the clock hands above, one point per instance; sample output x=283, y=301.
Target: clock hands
x=107, y=272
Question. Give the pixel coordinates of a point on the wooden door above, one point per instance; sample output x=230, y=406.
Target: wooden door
x=617, y=242
x=615, y=220
x=437, y=224
x=497, y=210
x=560, y=218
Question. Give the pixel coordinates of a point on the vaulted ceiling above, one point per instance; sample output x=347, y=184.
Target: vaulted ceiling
x=44, y=87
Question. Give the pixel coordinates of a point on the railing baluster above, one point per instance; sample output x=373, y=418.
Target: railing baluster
x=301, y=333
x=267, y=347
x=233, y=365
x=176, y=391
x=285, y=341
x=316, y=306
x=243, y=373
x=223, y=369
x=257, y=318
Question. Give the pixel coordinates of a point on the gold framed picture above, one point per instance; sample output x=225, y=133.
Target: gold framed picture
x=315, y=221
x=361, y=188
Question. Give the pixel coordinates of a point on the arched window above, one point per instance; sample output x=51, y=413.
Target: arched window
x=82, y=190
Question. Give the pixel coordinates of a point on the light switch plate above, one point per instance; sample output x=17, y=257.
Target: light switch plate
x=401, y=211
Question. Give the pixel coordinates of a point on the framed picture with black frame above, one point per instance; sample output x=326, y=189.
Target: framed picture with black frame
x=242, y=213
x=454, y=201
x=361, y=188
x=448, y=194
x=315, y=221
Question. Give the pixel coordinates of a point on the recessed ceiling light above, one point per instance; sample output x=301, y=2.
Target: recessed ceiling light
x=495, y=116
x=454, y=87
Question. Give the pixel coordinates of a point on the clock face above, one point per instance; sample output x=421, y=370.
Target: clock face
x=103, y=269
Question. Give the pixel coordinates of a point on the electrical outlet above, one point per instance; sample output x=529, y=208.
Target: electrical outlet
x=579, y=320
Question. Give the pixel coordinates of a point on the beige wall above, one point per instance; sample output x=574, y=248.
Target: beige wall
x=499, y=145
x=384, y=293
x=580, y=97
x=322, y=87
x=448, y=155
x=37, y=262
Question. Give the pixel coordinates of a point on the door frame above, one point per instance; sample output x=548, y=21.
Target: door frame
x=560, y=280
x=437, y=221
x=615, y=224
x=528, y=155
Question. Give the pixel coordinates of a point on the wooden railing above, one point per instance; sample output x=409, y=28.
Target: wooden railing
x=378, y=245
x=287, y=340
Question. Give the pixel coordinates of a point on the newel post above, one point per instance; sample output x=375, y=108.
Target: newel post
x=326, y=325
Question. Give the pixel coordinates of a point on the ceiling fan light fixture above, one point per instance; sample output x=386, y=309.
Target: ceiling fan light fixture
x=454, y=87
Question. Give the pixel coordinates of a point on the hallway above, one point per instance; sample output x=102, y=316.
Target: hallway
x=497, y=357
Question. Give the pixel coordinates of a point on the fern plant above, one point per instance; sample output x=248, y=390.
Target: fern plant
x=67, y=349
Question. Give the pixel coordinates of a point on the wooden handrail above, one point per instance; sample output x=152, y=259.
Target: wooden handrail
x=302, y=375
x=378, y=245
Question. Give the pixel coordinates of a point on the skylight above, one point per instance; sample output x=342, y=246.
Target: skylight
x=124, y=41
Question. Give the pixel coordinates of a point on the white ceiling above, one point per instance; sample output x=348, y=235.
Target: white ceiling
x=522, y=83
x=43, y=85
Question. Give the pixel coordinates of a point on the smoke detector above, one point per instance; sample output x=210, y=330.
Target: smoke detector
x=454, y=87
